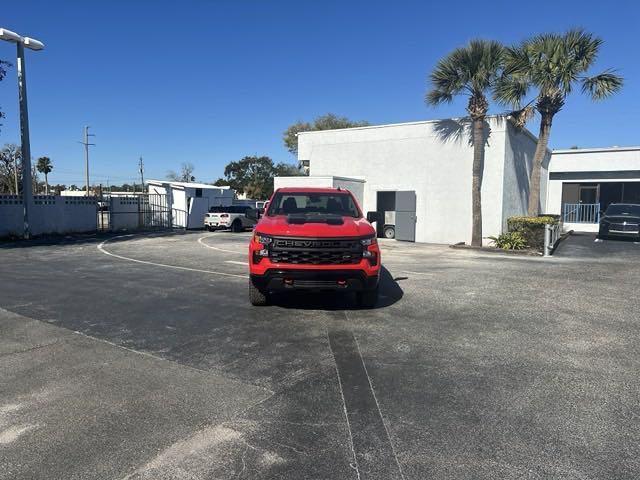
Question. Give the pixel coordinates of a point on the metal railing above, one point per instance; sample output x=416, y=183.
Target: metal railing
x=581, y=213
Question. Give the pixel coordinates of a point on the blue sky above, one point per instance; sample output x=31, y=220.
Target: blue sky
x=209, y=82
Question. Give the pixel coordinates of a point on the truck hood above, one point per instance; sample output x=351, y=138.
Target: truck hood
x=279, y=226
x=621, y=219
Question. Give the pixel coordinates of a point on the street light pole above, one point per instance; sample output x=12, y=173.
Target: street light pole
x=27, y=192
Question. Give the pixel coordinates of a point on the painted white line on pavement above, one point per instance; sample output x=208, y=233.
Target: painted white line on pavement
x=417, y=273
x=200, y=241
x=236, y=263
x=122, y=257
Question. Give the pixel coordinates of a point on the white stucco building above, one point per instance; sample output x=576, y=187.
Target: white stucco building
x=189, y=201
x=422, y=170
x=583, y=182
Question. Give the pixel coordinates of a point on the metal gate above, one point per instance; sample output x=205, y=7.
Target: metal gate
x=406, y=216
x=134, y=212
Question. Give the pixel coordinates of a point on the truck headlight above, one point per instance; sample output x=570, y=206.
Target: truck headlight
x=262, y=239
x=368, y=241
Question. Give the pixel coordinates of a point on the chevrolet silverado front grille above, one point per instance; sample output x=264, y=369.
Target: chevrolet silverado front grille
x=315, y=251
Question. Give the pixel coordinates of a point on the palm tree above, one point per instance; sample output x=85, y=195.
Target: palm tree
x=553, y=65
x=472, y=70
x=45, y=166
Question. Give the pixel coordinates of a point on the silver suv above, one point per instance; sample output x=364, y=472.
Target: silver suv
x=233, y=217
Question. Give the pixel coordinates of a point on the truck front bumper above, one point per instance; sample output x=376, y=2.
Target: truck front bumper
x=349, y=280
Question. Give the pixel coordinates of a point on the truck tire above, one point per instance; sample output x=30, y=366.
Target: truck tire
x=236, y=226
x=257, y=297
x=367, y=298
x=389, y=232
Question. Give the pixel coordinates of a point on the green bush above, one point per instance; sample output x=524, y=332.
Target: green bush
x=531, y=228
x=521, y=223
x=510, y=241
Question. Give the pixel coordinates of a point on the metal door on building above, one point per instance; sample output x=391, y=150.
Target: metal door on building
x=406, y=216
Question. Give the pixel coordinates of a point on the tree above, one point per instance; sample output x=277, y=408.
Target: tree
x=253, y=176
x=45, y=166
x=185, y=175
x=552, y=65
x=472, y=70
x=323, y=122
x=10, y=169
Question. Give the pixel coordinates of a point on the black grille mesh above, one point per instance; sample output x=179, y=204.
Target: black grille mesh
x=621, y=227
x=315, y=251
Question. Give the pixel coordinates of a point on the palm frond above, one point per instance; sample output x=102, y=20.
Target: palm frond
x=436, y=97
x=582, y=47
x=511, y=90
x=472, y=69
x=602, y=85
x=517, y=61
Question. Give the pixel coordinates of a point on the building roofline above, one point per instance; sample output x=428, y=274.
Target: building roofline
x=186, y=184
x=419, y=122
x=595, y=149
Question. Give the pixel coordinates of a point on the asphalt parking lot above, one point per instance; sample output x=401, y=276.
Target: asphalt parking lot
x=139, y=357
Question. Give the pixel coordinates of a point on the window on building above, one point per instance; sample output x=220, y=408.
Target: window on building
x=198, y=192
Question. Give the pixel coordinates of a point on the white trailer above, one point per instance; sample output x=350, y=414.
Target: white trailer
x=354, y=185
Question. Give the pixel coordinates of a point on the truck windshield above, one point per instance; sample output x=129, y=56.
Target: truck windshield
x=311, y=203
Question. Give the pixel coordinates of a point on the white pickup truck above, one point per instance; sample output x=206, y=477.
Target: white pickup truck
x=233, y=217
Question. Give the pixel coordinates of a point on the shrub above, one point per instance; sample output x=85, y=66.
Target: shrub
x=521, y=223
x=510, y=241
x=531, y=228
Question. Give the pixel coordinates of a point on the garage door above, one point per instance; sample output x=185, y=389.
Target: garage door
x=406, y=216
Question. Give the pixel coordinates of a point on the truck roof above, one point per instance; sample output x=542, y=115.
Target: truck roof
x=311, y=189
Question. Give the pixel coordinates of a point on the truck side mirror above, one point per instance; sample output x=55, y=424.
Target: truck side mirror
x=373, y=217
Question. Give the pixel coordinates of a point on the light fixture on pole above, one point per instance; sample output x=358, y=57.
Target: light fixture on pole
x=21, y=44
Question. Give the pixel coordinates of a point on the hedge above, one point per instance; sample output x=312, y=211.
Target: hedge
x=532, y=228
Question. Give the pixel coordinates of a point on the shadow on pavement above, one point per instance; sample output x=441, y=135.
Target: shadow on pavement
x=81, y=238
x=390, y=293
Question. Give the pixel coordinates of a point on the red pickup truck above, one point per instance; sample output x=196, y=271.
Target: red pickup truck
x=314, y=239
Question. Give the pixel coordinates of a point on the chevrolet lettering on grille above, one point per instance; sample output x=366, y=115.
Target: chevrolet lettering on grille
x=310, y=243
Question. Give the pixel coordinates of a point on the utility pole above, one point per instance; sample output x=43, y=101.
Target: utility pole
x=86, y=144
x=141, y=164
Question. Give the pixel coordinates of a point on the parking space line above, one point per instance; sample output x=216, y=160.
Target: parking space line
x=176, y=267
x=200, y=241
x=236, y=263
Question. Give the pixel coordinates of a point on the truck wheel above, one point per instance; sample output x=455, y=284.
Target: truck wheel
x=367, y=298
x=389, y=232
x=256, y=296
x=236, y=226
